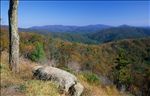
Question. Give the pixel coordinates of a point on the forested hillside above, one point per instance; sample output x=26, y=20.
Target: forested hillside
x=125, y=63
x=98, y=35
x=119, y=33
x=33, y=52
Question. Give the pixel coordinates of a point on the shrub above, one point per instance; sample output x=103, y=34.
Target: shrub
x=38, y=54
x=91, y=78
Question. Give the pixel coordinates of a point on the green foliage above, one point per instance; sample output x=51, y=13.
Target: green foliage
x=92, y=78
x=122, y=70
x=125, y=76
x=121, y=60
x=71, y=37
x=38, y=54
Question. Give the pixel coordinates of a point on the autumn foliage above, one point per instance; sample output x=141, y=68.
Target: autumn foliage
x=124, y=62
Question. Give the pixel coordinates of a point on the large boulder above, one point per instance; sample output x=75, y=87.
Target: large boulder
x=66, y=81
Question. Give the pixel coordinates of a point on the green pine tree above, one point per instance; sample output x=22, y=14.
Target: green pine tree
x=38, y=54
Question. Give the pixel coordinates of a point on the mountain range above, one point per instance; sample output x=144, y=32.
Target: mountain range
x=118, y=33
x=69, y=29
x=90, y=34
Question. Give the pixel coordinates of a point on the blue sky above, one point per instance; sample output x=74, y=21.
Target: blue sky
x=38, y=13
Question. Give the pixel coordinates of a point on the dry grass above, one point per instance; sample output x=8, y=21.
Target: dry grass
x=99, y=90
x=22, y=84
x=41, y=88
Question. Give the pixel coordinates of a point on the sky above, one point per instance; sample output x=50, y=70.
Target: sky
x=115, y=13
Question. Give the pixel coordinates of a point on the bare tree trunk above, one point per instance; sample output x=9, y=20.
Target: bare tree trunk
x=13, y=36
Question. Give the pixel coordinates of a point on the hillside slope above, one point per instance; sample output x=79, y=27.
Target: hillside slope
x=23, y=84
x=125, y=63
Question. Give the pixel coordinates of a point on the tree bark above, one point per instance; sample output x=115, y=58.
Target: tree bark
x=13, y=36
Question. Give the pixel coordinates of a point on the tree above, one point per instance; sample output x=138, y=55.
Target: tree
x=13, y=36
x=0, y=20
x=122, y=71
x=38, y=54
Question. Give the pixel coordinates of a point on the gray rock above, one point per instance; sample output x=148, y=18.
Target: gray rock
x=78, y=89
x=66, y=81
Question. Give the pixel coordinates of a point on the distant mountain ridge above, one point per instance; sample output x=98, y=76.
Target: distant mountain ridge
x=118, y=33
x=69, y=29
x=105, y=35
x=90, y=34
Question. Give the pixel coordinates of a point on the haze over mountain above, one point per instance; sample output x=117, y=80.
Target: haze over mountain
x=69, y=29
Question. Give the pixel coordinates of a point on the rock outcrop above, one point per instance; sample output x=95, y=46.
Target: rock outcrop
x=66, y=81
